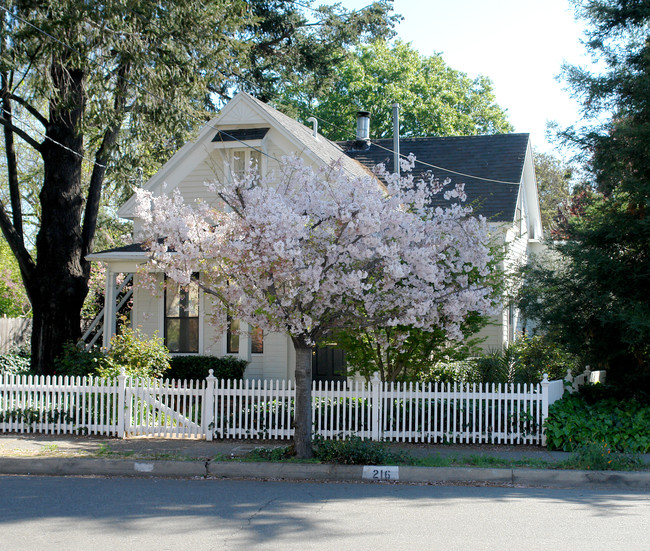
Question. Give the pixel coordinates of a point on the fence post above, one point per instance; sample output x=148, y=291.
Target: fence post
x=545, y=382
x=207, y=418
x=375, y=389
x=121, y=402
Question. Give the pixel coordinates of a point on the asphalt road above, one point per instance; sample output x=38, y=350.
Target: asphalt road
x=56, y=513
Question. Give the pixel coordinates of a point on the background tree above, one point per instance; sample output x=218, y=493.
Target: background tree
x=405, y=353
x=84, y=84
x=554, y=178
x=312, y=252
x=594, y=296
x=434, y=98
x=13, y=300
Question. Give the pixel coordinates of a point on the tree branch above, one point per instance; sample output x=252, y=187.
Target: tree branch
x=31, y=141
x=30, y=108
x=101, y=160
x=12, y=164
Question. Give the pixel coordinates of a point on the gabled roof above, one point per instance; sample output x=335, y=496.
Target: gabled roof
x=491, y=167
x=323, y=149
x=254, y=119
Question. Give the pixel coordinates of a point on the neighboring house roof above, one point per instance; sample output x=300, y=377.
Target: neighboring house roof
x=499, y=157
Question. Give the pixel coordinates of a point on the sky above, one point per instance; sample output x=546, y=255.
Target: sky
x=519, y=44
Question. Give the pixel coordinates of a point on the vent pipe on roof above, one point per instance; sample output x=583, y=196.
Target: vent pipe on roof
x=396, y=137
x=363, y=126
x=314, y=123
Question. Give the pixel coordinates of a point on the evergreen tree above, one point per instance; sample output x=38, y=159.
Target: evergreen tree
x=595, y=297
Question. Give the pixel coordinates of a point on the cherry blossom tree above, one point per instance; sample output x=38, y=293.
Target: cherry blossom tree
x=309, y=251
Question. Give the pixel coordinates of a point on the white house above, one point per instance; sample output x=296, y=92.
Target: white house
x=497, y=170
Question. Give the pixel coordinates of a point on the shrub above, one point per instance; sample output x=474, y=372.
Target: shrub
x=77, y=362
x=198, y=367
x=15, y=363
x=461, y=371
x=623, y=426
x=355, y=451
x=139, y=355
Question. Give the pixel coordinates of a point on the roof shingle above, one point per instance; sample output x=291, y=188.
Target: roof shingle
x=473, y=160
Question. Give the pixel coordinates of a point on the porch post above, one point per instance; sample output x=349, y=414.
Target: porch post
x=110, y=307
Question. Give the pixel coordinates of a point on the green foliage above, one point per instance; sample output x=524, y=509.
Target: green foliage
x=198, y=367
x=592, y=295
x=13, y=298
x=553, y=177
x=622, y=426
x=355, y=451
x=281, y=453
x=599, y=456
x=75, y=361
x=434, y=98
x=139, y=355
x=15, y=363
x=403, y=353
x=523, y=361
x=446, y=371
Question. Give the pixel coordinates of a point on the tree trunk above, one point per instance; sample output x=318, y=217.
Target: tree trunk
x=61, y=279
x=302, y=412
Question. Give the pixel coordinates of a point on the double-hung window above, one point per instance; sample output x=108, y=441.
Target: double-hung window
x=243, y=159
x=182, y=317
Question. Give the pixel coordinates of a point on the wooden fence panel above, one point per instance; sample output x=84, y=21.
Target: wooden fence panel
x=14, y=333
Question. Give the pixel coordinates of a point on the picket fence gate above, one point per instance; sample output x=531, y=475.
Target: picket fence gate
x=214, y=408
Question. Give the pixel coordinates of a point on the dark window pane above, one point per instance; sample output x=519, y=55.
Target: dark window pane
x=182, y=334
x=232, y=337
x=257, y=341
x=181, y=318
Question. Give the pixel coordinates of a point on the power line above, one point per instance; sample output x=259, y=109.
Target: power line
x=45, y=136
x=225, y=133
x=374, y=142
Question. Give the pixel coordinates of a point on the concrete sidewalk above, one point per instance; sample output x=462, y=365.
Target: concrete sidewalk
x=98, y=456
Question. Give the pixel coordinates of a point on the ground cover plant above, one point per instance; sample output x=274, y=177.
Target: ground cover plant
x=581, y=420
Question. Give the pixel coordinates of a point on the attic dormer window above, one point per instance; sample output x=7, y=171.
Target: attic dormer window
x=245, y=159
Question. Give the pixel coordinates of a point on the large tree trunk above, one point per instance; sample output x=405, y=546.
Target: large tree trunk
x=61, y=281
x=302, y=412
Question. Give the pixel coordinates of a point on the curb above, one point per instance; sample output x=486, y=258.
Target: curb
x=638, y=481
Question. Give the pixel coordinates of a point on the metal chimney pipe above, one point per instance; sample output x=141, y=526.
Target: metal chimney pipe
x=363, y=126
x=396, y=137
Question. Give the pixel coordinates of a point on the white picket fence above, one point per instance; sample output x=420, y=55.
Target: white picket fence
x=212, y=408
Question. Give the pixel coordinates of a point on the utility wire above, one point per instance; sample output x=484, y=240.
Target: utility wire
x=225, y=133
x=45, y=136
x=374, y=142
